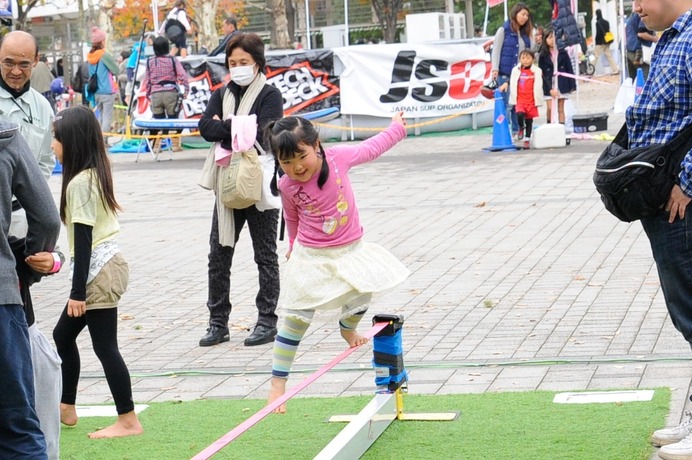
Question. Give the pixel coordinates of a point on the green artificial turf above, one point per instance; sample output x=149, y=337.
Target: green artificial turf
x=491, y=426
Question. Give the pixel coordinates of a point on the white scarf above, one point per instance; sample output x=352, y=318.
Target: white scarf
x=211, y=178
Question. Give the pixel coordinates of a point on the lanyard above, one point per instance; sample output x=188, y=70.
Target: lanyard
x=29, y=118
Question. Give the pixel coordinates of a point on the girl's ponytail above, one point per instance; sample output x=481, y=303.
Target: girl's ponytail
x=324, y=170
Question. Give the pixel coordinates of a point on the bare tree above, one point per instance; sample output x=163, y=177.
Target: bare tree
x=291, y=18
x=23, y=8
x=387, y=11
x=205, y=14
x=105, y=19
x=279, y=32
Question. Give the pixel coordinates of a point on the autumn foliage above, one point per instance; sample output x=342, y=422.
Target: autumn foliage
x=128, y=20
x=234, y=7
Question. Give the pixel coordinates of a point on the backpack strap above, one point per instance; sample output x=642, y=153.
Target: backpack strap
x=165, y=82
x=622, y=138
x=682, y=142
x=175, y=72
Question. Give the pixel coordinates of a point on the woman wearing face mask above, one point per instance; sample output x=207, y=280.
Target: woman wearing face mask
x=246, y=94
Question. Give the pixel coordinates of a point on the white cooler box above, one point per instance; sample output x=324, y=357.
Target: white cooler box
x=548, y=136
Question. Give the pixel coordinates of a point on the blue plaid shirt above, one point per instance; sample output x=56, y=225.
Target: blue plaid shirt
x=664, y=107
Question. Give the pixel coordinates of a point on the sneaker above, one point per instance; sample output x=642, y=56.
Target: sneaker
x=667, y=436
x=261, y=335
x=681, y=450
x=214, y=336
x=527, y=144
x=520, y=134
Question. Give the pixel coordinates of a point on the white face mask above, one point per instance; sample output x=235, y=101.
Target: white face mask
x=243, y=75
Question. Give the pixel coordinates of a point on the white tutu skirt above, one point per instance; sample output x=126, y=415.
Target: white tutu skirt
x=329, y=278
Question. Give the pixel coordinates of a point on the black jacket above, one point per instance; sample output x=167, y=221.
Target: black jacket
x=565, y=85
x=81, y=77
x=221, y=49
x=566, y=29
x=602, y=26
x=268, y=107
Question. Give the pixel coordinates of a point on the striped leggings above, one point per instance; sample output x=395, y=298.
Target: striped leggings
x=291, y=332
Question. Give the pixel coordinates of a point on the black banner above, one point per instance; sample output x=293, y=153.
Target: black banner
x=306, y=80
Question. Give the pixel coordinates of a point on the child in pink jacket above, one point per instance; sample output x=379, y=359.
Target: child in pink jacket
x=329, y=265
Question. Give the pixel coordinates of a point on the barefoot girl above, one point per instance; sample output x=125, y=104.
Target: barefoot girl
x=329, y=265
x=99, y=273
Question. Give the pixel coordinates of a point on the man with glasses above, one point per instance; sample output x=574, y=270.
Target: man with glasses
x=23, y=105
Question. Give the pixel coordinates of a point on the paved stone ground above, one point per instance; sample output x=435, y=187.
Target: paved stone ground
x=520, y=280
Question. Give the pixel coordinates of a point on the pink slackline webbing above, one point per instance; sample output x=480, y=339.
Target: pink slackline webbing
x=269, y=408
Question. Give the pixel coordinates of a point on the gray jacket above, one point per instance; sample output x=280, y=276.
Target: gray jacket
x=36, y=129
x=20, y=176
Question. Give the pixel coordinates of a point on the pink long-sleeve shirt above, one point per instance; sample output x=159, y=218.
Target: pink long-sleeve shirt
x=329, y=217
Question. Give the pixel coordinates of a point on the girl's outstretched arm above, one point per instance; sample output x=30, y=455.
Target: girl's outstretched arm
x=375, y=146
x=399, y=118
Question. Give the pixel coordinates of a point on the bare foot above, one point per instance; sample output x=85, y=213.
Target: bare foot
x=353, y=338
x=126, y=425
x=68, y=414
x=278, y=388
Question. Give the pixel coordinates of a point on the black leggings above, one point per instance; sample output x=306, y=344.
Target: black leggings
x=103, y=329
x=525, y=122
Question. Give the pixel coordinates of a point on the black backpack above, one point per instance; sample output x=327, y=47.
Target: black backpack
x=636, y=183
x=174, y=29
x=93, y=84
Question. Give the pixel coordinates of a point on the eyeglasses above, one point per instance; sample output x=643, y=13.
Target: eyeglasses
x=23, y=66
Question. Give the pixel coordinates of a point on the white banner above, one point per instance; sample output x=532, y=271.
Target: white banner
x=421, y=80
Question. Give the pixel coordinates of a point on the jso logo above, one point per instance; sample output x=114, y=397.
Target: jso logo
x=461, y=80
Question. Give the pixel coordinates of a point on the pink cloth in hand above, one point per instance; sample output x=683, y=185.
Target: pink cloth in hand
x=243, y=135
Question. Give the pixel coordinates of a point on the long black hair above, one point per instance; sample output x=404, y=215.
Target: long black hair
x=286, y=135
x=544, y=48
x=83, y=147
